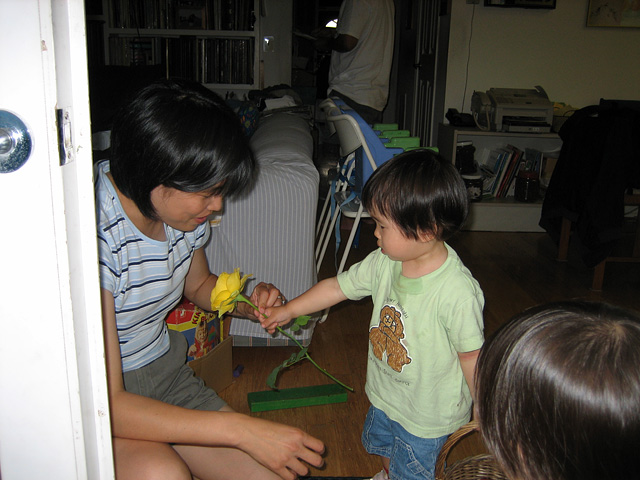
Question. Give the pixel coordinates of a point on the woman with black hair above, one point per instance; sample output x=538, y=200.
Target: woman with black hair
x=177, y=151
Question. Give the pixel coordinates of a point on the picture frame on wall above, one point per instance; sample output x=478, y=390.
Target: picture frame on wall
x=614, y=13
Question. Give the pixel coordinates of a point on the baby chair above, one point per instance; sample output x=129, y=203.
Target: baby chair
x=362, y=152
x=339, y=183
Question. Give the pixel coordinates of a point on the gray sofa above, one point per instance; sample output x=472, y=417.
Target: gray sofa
x=269, y=231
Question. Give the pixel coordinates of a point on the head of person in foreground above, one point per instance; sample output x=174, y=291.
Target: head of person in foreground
x=558, y=393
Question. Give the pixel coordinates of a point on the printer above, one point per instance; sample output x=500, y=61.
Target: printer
x=513, y=110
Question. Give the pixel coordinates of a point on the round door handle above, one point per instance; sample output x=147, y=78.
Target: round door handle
x=6, y=141
x=15, y=142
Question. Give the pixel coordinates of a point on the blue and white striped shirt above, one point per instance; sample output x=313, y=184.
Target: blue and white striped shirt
x=146, y=276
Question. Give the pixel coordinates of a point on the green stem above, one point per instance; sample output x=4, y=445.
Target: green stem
x=244, y=299
x=313, y=361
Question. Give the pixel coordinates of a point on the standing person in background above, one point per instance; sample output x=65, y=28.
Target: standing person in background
x=361, y=55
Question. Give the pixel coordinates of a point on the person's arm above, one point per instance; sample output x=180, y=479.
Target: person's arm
x=343, y=43
x=468, y=364
x=328, y=40
x=200, y=282
x=323, y=294
x=278, y=447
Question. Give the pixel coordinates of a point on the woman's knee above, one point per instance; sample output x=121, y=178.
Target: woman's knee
x=140, y=460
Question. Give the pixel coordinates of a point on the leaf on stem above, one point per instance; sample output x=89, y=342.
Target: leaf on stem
x=294, y=358
x=301, y=321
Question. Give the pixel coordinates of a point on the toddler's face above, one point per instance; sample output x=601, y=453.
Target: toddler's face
x=392, y=241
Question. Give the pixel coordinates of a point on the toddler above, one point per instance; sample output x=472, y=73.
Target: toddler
x=427, y=326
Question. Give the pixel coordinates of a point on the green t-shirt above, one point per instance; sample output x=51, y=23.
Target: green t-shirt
x=417, y=328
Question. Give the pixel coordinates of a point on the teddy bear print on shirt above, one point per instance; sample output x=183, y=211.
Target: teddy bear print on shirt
x=385, y=338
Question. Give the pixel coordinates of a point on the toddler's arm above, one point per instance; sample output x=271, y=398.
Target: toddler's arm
x=323, y=294
x=468, y=364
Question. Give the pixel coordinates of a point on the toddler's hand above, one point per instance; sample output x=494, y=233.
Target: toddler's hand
x=276, y=316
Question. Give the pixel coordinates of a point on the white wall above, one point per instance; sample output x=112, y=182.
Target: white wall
x=521, y=48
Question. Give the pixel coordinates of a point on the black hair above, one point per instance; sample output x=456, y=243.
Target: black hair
x=420, y=192
x=558, y=393
x=178, y=134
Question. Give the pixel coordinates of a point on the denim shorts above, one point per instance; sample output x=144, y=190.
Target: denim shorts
x=171, y=380
x=410, y=457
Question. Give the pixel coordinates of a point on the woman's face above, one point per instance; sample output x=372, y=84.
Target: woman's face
x=184, y=210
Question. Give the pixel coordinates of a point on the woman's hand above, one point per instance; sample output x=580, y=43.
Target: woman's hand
x=264, y=295
x=282, y=449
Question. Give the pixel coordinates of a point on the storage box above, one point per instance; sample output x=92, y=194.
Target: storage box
x=215, y=368
x=208, y=356
x=201, y=329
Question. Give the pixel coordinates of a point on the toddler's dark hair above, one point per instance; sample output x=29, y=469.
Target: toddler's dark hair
x=420, y=192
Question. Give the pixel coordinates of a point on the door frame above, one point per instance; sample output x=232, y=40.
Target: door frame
x=54, y=411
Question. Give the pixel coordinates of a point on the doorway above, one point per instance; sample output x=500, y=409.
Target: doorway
x=420, y=62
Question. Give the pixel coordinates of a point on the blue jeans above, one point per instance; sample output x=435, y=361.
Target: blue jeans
x=410, y=457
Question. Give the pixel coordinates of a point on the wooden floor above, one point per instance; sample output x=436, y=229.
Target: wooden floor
x=515, y=270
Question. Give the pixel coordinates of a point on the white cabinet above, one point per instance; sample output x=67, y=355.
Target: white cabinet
x=503, y=214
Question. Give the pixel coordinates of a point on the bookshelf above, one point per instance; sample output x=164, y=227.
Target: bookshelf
x=498, y=214
x=214, y=42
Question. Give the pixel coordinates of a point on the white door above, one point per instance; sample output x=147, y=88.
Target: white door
x=54, y=418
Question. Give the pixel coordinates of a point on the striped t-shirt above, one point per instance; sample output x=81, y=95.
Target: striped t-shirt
x=146, y=276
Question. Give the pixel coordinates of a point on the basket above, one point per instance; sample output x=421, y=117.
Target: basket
x=470, y=468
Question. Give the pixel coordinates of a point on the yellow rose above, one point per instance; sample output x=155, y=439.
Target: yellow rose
x=224, y=294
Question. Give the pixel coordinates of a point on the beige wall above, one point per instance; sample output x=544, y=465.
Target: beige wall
x=521, y=48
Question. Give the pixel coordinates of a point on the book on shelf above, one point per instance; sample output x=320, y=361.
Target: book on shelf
x=489, y=164
x=205, y=60
x=133, y=51
x=499, y=167
x=488, y=178
x=182, y=14
x=192, y=14
x=515, y=163
x=505, y=156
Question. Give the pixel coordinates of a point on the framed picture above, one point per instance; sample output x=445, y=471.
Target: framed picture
x=613, y=13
